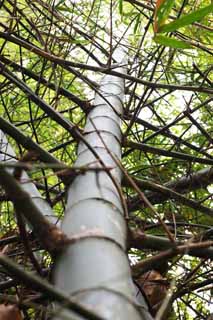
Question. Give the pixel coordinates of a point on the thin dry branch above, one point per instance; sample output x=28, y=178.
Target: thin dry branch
x=197, y=180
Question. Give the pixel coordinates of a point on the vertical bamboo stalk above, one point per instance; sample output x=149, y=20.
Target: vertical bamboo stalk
x=94, y=268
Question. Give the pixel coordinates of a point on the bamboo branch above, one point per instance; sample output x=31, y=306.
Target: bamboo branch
x=178, y=155
x=194, y=249
x=169, y=193
x=50, y=236
x=65, y=63
x=197, y=180
x=31, y=280
x=84, y=105
x=142, y=241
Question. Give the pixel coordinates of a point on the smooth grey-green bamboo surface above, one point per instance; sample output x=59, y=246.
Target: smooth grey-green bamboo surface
x=7, y=154
x=94, y=268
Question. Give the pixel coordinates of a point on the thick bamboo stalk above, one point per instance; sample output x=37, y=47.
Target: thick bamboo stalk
x=94, y=268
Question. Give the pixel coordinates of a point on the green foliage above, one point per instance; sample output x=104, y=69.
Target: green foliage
x=171, y=42
x=186, y=19
x=162, y=11
x=154, y=110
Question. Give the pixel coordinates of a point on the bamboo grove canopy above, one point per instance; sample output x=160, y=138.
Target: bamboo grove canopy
x=106, y=159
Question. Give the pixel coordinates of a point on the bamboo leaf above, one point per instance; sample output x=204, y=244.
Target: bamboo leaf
x=170, y=42
x=187, y=19
x=137, y=23
x=120, y=5
x=162, y=11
